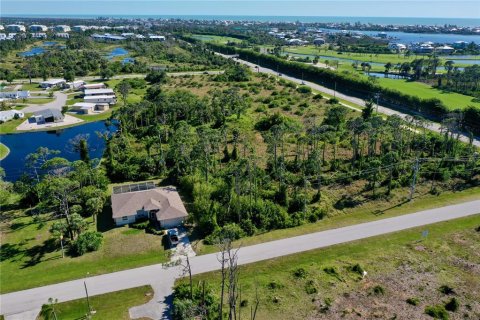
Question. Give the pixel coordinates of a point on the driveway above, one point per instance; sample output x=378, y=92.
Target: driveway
x=162, y=278
x=58, y=103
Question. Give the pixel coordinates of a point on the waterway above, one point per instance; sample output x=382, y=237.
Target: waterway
x=23, y=144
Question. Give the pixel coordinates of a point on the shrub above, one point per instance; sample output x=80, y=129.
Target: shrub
x=452, y=305
x=333, y=101
x=446, y=289
x=141, y=224
x=274, y=285
x=413, y=301
x=244, y=303
x=300, y=273
x=318, y=96
x=304, y=89
x=310, y=287
x=230, y=231
x=378, y=290
x=357, y=269
x=87, y=242
x=437, y=312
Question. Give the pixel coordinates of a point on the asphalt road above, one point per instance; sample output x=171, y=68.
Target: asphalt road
x=158, y=275
x=382, y=109
x=58, y=103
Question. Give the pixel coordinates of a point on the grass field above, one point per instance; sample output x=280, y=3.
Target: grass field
x=450, y=99
x=42, y=100
x=10, y=126
x=28, y=251
x=4, y=151
x=213, y=38
x=112, y=305
x=370, y=212
x=399, y=266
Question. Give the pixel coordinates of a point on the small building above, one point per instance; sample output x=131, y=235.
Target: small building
x=13, y=95
x=100, y=85
x=38, y=28
x=76, y=85
x=444, y=50
x=63, y=35
x=79, y=28
x=162, y=205
x=39, y=35
x=52, y=83
x=15, y=28
x=46, y=116
x=156, y=38
x=10, y=114
x=99, y=92
x=318, y=41
x=100, y=99
x=62, y=28
x=84, y=107
x=102, y=107
x=397, y=47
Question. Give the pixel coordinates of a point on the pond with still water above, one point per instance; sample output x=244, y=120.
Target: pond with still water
x=22, y=144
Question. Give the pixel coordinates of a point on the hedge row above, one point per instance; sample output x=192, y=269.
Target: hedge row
x=432, y=109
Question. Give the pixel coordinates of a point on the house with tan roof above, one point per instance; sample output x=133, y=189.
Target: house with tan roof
x=160, y=204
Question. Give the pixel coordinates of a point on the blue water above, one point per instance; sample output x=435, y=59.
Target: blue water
x=49, y=43
x=22, y=144
x=463, y=22
x=128, y=60
x=117, y=52
x=407, y=38
x=33, y=52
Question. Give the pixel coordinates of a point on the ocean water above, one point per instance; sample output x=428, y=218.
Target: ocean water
x=464, y=22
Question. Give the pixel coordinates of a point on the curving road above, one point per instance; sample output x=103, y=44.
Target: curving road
x=27, y=302
x=58, y=103
x=434, y=126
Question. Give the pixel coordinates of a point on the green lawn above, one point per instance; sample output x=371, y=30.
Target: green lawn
x=401, y=264
x=10, y=126
x=28, y=251
x=31, y=87
x=370, y=212
x=213, y=38
x=450, y=99
x=94, y=117
x=4, y=151
x=42, y=100
x=112, y=305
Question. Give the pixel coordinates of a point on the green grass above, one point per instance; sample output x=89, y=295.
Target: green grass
x=94, y=117
x=10, y=126
x=400, y=263
x=28, y=251
x=450, y=99
x=4, y=151
x=36, y=100
x=370, y=212
x=213, y=38
x=31, y=87
x=112, y=305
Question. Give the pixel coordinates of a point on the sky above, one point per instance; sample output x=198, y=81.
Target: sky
x=354, y=8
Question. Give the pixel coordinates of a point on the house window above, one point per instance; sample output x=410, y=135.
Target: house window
x=125, y=218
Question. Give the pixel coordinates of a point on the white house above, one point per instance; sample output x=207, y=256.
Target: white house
x=39, y=35
x=10, y=114
x=62, y=28
x=77, y=84
x=162, y=205
x=79, y=28
x=444, y=49
x=38, y=28
x=15, y=95
x=398, y=47
x=99, y=92
x=84, y=107
x=100, y=99
x=156, y=38
x=52, y=83
x=94, y=86
x=62, y=35
x=16, y=28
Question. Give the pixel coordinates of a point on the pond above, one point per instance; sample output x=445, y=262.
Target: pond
x=49, y=43
x=32, y=52
x=128, y=60
x=382, y=75
x=117, y=52
x=22, y=144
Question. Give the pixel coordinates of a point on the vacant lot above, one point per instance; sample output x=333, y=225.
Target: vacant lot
x=405, y=273
x=112, y=305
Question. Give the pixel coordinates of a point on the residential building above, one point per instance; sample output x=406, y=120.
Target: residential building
x=99, y=92
x=38, y=28
x=46, y=116
x=444, y=49
x=397, y=47
x=62, y=28
x=52, y=83
x=94, y=86
x=62, y=35
x=77, y=84
x=162, y=205
x=318, y=41
x=84, y=107
x=100, y=99
x=156, y=38
x=10, y=114
x=39, y=35
x=15, y=95
x=16, y=28
x=1, y=28
x=79, y=28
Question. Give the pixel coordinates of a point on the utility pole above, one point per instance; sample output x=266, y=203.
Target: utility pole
x=377, y=96
x=414, y=178
x=61, y=243
x=335, y=90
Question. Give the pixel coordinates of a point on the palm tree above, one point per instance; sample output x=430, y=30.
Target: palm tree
x=48, y=310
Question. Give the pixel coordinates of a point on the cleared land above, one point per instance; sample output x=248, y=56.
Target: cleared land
x=113, y=305
x=401, y=266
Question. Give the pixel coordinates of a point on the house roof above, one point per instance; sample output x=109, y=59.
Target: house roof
x=166, y=200
x=86, y=98
x=84, y=105
x=47, y=113
x=106, y=91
